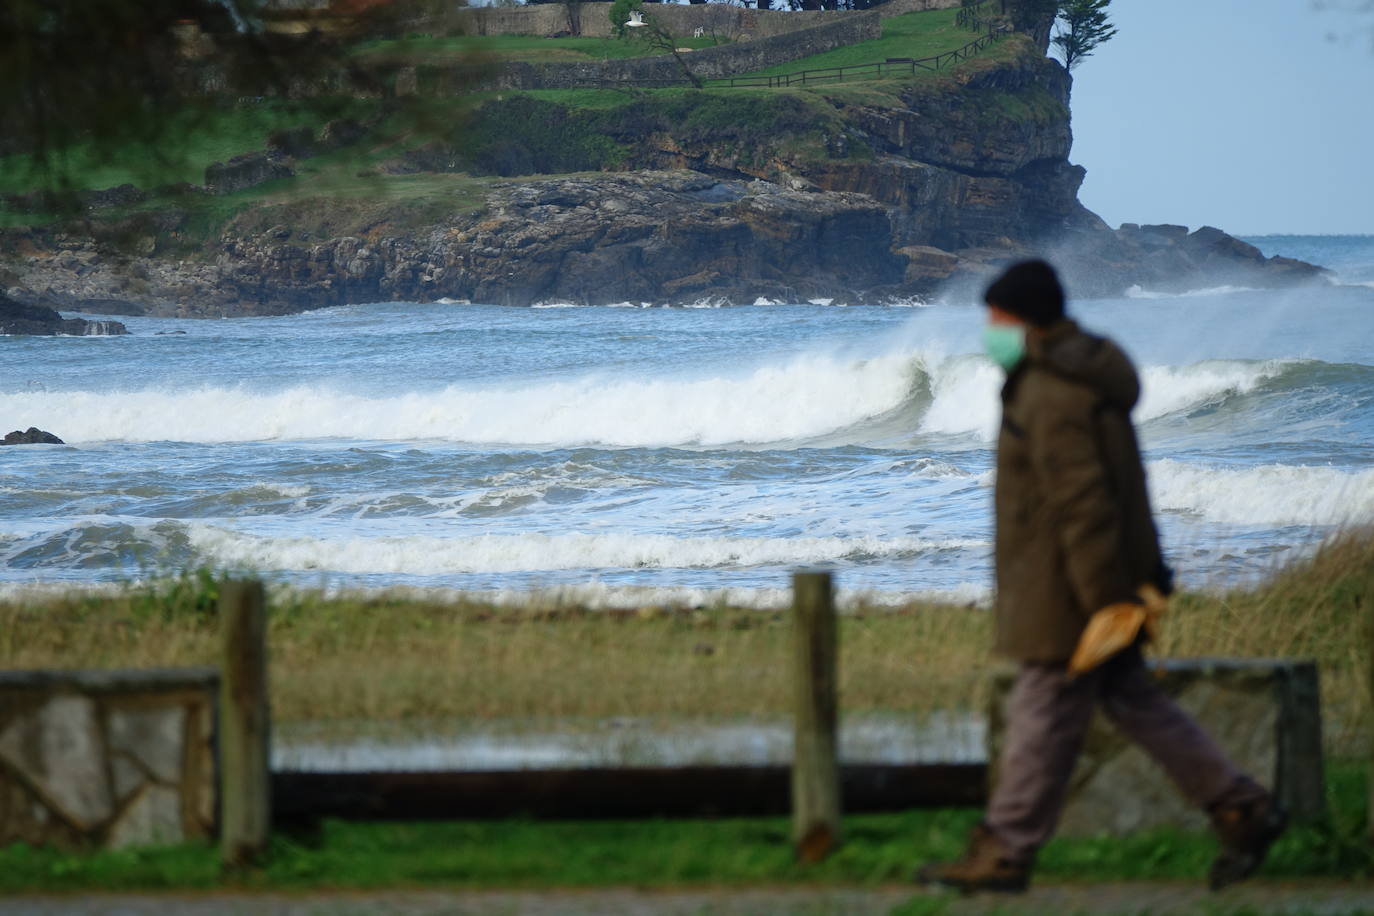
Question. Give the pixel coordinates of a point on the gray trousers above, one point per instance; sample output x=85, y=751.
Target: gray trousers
x=1047, y=721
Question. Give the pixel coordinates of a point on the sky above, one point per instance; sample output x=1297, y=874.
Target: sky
x=1255, y=116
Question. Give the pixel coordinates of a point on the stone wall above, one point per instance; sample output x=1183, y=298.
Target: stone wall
x=107, y=758
x=709, y=63
x=679, y=19
x=1264, y=713
x=902, y=7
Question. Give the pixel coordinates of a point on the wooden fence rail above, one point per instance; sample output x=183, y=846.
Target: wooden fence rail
x=893, y=66
x=303, y=798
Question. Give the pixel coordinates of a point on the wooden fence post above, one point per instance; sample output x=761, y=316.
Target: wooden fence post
x=245, y=782
x=815, y=769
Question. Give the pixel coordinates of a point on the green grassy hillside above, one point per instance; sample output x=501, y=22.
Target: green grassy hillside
x=218, y=131
x=421, y=157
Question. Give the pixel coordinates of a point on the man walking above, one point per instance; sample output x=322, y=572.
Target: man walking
x=1075, y=537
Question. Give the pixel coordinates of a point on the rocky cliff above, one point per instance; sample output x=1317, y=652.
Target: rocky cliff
x=873, y=192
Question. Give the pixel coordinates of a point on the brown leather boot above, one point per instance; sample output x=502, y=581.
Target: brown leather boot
x=1246, y=832
x=986, y=866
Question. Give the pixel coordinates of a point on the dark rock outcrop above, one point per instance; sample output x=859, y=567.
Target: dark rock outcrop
x=243, y=172
x=296, y=142
x=637, y=236
x=23, y=318
x=340, y=132
x=31, y=436
x=1171, y=259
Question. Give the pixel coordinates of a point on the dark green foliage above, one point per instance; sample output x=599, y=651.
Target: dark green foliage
x=1083, y=25
x=103, y=75
x=524, y=136
x=193, y=595
x=521, y=135
x=738, y=117
x=1032, y=16
x=976, y=15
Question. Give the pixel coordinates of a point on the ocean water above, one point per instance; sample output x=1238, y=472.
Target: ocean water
x=628, y=455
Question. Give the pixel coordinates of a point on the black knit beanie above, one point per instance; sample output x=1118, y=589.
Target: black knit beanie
x=1030, y=290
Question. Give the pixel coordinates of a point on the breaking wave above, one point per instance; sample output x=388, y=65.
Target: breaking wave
x=122, y=542
x=1264, y=495
x=1138, y=292
x=425, y=555
x=805, y=399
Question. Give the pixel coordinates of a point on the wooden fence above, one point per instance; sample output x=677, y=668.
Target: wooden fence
x=892, y=67
x=252, y=798
x=814, y=789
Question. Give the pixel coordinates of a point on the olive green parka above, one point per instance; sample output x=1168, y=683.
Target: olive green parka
x=1074, y=529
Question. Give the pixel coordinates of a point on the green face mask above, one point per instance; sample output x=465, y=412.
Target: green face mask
x=1005, y=343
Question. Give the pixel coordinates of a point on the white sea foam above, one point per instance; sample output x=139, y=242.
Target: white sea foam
x=1265, y=495
x=810, y=396
x=598, y=594
x=807, y=397
x=1138, y=292
x=427, y=555
x=290, y=491
x=1170, y=389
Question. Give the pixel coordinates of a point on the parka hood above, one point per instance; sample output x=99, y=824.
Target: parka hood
x=1067, y=350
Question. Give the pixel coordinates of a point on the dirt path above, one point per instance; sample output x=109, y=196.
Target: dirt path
x=1255, y=899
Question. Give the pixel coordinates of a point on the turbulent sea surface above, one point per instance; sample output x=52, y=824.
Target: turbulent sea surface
x=632, y=454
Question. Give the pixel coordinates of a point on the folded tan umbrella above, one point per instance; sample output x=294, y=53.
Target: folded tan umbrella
x=1117, y=626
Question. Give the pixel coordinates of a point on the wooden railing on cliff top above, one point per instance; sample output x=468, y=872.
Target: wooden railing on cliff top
x=893, y=66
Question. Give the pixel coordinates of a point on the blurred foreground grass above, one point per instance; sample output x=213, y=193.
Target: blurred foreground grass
x=398, y=658
x=383, y=657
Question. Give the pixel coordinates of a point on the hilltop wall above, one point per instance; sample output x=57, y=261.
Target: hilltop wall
x=708, y=63
x=902, y=7
x=682, y=20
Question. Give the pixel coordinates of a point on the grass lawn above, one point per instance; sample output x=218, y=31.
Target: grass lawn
x=878, y=848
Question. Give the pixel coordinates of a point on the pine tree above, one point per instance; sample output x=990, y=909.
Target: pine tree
x=1083, y=25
